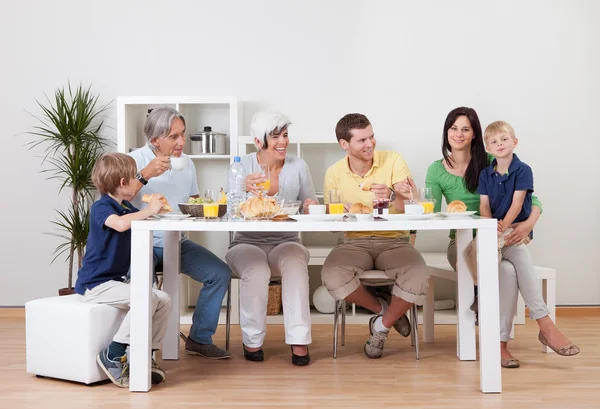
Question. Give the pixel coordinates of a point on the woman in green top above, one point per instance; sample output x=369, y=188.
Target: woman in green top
x=455, y=177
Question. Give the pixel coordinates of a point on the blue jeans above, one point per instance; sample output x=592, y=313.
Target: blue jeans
x=208, y=269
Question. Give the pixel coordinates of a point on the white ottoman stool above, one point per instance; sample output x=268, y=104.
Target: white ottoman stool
x=64, y=335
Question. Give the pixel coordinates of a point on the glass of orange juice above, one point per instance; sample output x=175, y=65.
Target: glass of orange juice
x=211, y=210
x=426, y=199
x=266, y=185
x=335, y=202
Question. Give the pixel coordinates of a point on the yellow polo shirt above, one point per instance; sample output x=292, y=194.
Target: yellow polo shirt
x=388, y=167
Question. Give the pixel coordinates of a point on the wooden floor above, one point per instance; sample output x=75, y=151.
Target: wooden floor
x=438, y=380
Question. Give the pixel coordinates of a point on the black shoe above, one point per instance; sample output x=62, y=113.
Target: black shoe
x=209, y=351
x=299, y=360
x=256, y=356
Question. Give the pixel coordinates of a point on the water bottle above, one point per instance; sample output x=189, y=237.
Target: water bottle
x=236, y=180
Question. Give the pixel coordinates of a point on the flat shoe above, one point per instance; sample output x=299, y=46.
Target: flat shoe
x=568, y=350
x=510, y=363
x=256, y=356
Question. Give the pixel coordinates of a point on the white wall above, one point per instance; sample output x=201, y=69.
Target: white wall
x=535, y=64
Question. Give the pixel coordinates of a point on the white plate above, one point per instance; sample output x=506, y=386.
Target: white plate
x=458, y=214
x=316, y=217
x=172, y=216
x=399, y=217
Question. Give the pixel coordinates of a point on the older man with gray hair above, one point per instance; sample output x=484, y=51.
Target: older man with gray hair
x=165, y=137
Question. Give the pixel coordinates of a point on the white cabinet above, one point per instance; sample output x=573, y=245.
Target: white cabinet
x=223, y=115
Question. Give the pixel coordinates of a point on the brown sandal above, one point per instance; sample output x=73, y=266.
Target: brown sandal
x=510, y=363
x=568, y=350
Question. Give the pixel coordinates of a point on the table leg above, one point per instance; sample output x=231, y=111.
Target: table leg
x=466, y=348
x=171, y=268
x=489, y=311
x=140, y=314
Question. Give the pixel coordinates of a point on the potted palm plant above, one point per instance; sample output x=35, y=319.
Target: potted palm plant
x=69, y=133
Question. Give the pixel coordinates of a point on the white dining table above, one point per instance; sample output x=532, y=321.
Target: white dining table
x=487, y=260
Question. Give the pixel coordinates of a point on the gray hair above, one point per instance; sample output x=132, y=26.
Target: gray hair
x=265, y=122
x=158, y=123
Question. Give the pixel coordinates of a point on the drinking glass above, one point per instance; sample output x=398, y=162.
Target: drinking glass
x=266, y=185
x=335, y=202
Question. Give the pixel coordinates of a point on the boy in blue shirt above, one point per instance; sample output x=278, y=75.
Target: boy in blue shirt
x=505, y=188
x=101, y=278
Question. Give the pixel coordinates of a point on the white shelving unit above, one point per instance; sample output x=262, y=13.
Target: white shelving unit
x=223, y=114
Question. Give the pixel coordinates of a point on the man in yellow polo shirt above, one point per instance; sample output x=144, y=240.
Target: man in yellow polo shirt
x=390, y=251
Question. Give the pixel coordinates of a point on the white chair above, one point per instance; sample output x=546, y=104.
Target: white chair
x=63, y=336
x=439, y=267
x=372, y=278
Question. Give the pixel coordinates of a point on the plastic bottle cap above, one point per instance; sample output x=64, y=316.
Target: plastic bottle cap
x=237, y=159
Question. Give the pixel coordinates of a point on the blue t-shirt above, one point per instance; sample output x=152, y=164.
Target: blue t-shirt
x=107, y=252
x=501, y=188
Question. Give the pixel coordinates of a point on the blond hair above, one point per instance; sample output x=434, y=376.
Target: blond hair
x=110, y=168
x=497, y=127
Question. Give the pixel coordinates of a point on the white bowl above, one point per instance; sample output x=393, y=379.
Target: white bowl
x=317, y=209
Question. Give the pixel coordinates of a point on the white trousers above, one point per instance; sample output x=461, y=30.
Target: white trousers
x=255, y=265
x=118, y=295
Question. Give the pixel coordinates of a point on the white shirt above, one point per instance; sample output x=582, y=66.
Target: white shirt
x=176, y=185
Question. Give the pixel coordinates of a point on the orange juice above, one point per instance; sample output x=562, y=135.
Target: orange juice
x=336, y=208
x=211, y=210
x=265, y=186
x=427, y=206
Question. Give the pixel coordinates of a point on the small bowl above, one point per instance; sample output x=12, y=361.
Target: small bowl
x=291, y=208
x=197, y=210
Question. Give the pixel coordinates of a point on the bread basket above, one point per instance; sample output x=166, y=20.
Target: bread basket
x=197, y=210
x=261, y=207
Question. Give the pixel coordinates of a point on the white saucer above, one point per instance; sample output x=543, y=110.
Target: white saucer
x=316, y=217
x=398, y=217
x=172, y=216
x=458, y=214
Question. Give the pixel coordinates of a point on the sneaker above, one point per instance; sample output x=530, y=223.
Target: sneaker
x=402, y=325
x=158, y=375
x=475, y=309
x=210, y=351
x=374, y=345
x=117, y=370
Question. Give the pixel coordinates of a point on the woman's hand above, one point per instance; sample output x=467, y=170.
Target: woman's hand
x=252, y=180
x=521, y=232
x=307, y=203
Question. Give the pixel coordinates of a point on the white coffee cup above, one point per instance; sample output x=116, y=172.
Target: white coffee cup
x=413, y=207
x=317, y=209
x=178, y=163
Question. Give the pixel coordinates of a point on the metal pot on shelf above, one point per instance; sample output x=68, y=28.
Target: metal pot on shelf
x=208, y=142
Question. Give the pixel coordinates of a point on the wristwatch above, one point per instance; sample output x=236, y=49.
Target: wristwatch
x=139, y=177
x=392, y=195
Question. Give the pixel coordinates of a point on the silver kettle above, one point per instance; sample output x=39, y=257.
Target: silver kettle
x=208, y=142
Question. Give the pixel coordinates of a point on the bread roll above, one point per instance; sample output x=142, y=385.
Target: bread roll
x=355, y=208
x=456, y=206
x=366, y=186
x=166, y=206
x=365, y=209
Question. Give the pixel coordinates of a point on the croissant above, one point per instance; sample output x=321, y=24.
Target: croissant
x=456, y=206
x=166, y=206
x=366, y=186
x=260, y=206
